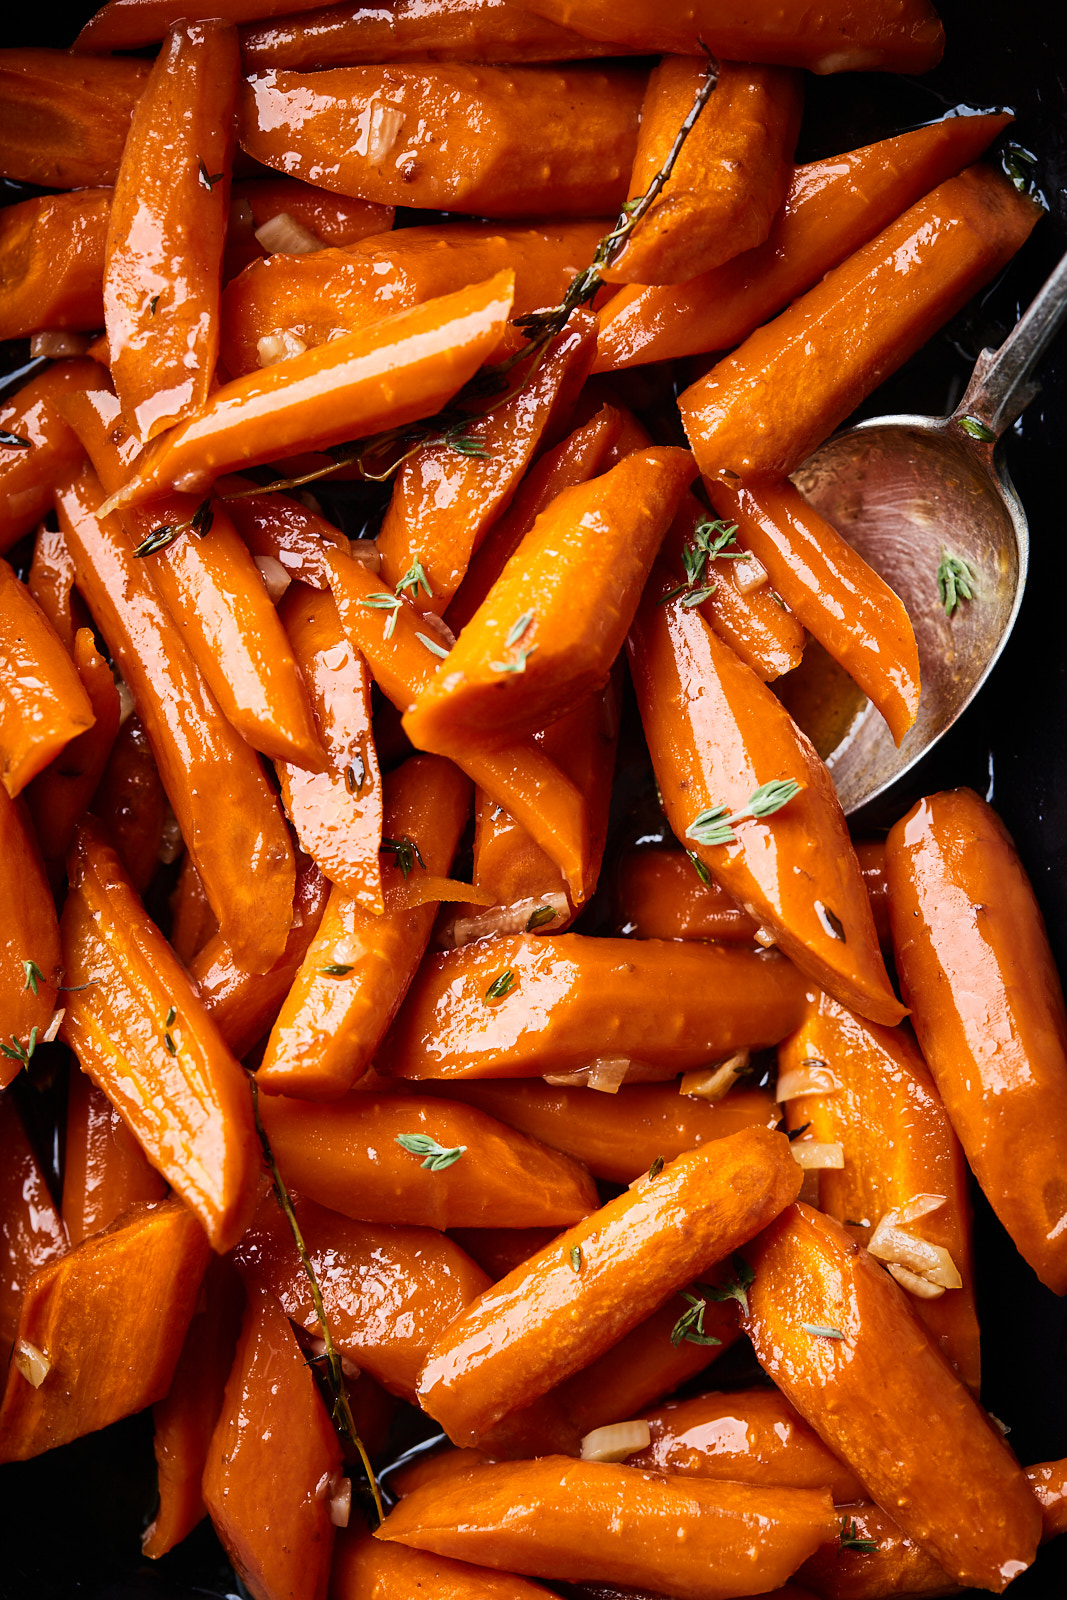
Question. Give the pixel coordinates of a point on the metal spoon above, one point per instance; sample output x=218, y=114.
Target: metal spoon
x=906, y=490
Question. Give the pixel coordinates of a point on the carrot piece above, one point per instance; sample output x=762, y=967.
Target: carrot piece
x=665, y=1008
x=124, y=24
x=49, y=448
x=387, y=1292
x=337, y=812
x=241, y=1004
x=108, y=1319
x=730, y=178
x=184, y=1420
x=617, y=1136
x=553, y=623
x=31, y=1229
x=844, y=36
x=559, y=1319
x=882, y=1083
x=897, y=1564
x=852, y=330
x=717, y=735
x=52, y=262
x=1004, y=1085
x=842, y=601
x=359, y=965
x=64, y=121
x=348, y=1156
x=193, y=922
x=404, y=367
x=491, y=141
x=51, y=582
x=43, y=705
x=660, y=895
x=444, y=500
x=141, y=1033
x=833, y=207
x=499, y=1250
x=229, y=819
x=1048, y=1480
x=271, y=1506
x=928, y=1446
x=29, y=944
x=334, y=219
x=366, y=1569
x=595, y=1520
x=105, y=1171
x=870, y=853
x=132, y=805
x=285, y=530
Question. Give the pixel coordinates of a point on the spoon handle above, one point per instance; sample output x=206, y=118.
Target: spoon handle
x=1000, y=387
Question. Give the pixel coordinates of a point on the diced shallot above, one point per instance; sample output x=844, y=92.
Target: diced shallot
x=616, y=1441
x=33, y=1364
x=606, y=1073
x=816, y=1157
x=811, y=1077
x=712, y=1083
x=284, y=236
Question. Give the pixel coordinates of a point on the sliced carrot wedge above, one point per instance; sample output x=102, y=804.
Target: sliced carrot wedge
x=48, y=448
x=52, y=262
x=896, y=1565
x=193, y=921
x=132, y=804
x=43, y=704
x=661, y=895
x=51, y=582
x=64, y=121
x=366, y=1569
x=105, y=1171
x=31, y=1229
x=30, y=960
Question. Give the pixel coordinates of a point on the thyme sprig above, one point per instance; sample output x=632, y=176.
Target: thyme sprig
x=159, y=538
x=438, y=1158
x=405, y=853
x=955, y=581
x=17, y=1051
x=716, y=826
x=690, y=1325
x=850, y=1538
x=710, y=541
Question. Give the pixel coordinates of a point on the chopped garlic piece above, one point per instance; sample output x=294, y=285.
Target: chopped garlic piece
x=811, y=1077
x=284, y=236
x=280, y=345
x=606, y=1073
x=749, y=574
x=275, y=578
x=813, y=1156
x=712, y=1083
x=33, y=1364
x=898, y=1248
x=920, y=1287
x=616, y=1441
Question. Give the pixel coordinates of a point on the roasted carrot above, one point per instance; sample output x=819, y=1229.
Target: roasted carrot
x=31, y=1228
x=870, y=853
x=661, y=895
x=366, y=1569
x=846, y=1568
x=1048, y=1480
x=140, y=1031
x=41, y=446
x=499, y=1250
x=131, y=803
x=728, y=181
x=193, y=922
x=490, y=141
x=52, y=262
x=841, y=339
x=43, y=704
x=844, y=36
x=718, y=738
x=833, y=207
x=51, y=582
x=101, y=1329
x=879, y=1393
x=105, y=1171
x=64, y=121
x=559, y=1317
x=988, y=1010
x=30, y=962
x=387, y=1292
x=560, y=1004
x=275, y=526
x=273, y=1508
x=594, y=1520
x=123, y=24
x=333, y=219
x=229, y=819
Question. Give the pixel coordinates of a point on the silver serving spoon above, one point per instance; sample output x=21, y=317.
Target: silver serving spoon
x=907, y=490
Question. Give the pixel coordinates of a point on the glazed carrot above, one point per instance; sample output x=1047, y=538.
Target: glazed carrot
x=271, y=1507
x=444, y=500
x=499, y=1250
x=571, y=1001
x=107, y=1322
x=840, y=340
x=64, y=121
x=311, y=296
x=193, y=922
x=870, y=853
x=553, y=623
x=229, y=818
x=490, y=141
x=844, y=36
x=140, y=1032
x=31, y=1229
x=131, y=803
x=559, y=1319
x=284, y=530
x=359, y=965
x=988, y=1011
x=241, y=1004
x=897, y=1564
x=51, y=582
x=833, y=207
x=728, y=181
x=333, y=219
x=184, y=1420
x=48, y=449
x=660, y=895
x=404, y=367
x=878, y=1084
x=366, y=1569
x=337, y=812
x=717, y=736
x=105, y=1171
x=348, y=1156
x=52, y=262
x=1048, y=1480
x=29, y=944
x=885, y=1400
x=123, y=24
x=617, y=1136
x=387, y=1292
x=43, y=705
x=600, y=1521
x=842, y=601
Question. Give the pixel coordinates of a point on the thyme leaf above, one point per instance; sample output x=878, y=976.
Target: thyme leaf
x=17, y=1051
x=735, y=1287
x=850, y=1539
x=438, y=1158
x=405, y=852
x=518, y=628
x=955, y=581
x=690, y=1325
x=501, y=985
x=200, y=523
x=817, y=1331
x=977, y=429
x=518, y=665
x=336, y=969
x=414, y=579
x=576, y=1258
x=716, y=826
x=209, y=179
x=33, y=975
x=15, y=441
x=699, y=868
x=539, y=917
x=433, y=645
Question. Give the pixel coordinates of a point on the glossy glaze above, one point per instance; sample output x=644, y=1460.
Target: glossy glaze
x=123, y=24
x=661, y=896
x=104, y=1168
x=284, y=529
x=43, y=704
x=132, y=804
x=366, y=1569
x=27, y=476
x=52, y=262
x=31, y=1229
x=64, y=121
x=29, y=933
x=899, y=1565
x=193, y=922
x=51, y=582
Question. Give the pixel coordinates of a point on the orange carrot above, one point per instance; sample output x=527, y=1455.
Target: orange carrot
x=271, y=524
x=896, y=1564
x=31, y=1229
x=51, y=582
x=870, y=853
x=661, y=895
x=122, y=24
x=48, y=447
x=1048, y=1480
x=131, y=803
x=366, y=1569
x=193, y=921
x=43, y=705
x=332, y=218
x=52, y=262
x=105, y=1171
x=64, y=121
x=30, y=962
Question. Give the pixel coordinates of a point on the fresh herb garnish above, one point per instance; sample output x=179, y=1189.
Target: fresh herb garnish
x=168, y=1040
x=415, y=579
x=795, y=1133
x=700, y=869
x=33, y=975
x=437, y=1157
x=690, y=1325
x=405, y=852
x=977, y=429
x=710, y=541
x=717, y=825
x=171, y=1015
x=850, y=1539
x=955, y=581
x=576, y=1258
x=385, y=602
x=153, y=304
x=518, y=628
x=539, y=917
x=432, y=645
x=735, y=1287
x=819, y=1332
x=462, y=443
x=209, y=179
x=518, y=665
x=355, y=772
x=15, y=441
x=200, y=523
x=17, y=1051
x=656, y=1168
x=336, y=969
x=501, y=985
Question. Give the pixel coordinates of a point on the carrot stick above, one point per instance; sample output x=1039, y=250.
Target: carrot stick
x=229, y=818
x=332, y=218
x=870, y=853
x=365, y=1569
x=107, y=1321
x=271, y=524
x=131, y=803
x=1004, y=1085
x=560, y=1317
x=193, y=922
x=663, y=1008
x=359, y=965
x=51, y=582
x=896, y=1565
x=717, y=736
x=105, y=1171
x=272, y=1508
x=43, y=705
x=599, y=1521
x=64, y=121
x=662, y=896
x=31, y=1229
x=728, y=181
x=832, y=208
x=881, y=1395
x=840, y=340
x=30, y=962
x=52, y=262
x=139, y=1030
x=1048, y=1480
x=49, y=446
x=561, y=141
x=124, y=24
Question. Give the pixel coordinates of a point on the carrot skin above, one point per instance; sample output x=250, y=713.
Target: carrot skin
x=31, y=1228
x=105, y=1171
x=51, y=582
x=52, y=262
x=64, y=121
x=193, y=921
x=43, y=704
